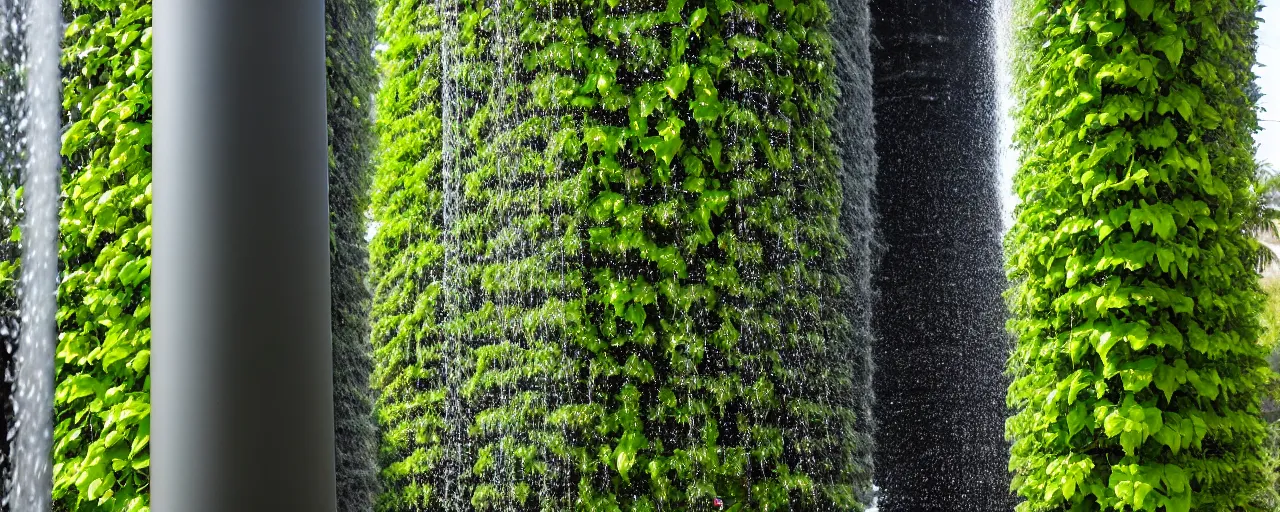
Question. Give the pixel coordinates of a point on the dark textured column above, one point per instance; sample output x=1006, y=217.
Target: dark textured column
x=242, y=384
x=941, y=342
x=349, y=25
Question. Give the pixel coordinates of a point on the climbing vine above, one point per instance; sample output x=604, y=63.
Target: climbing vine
x=1138, y=364
x=102, y=405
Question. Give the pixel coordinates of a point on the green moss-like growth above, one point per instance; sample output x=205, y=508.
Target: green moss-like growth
x=406, y=256
x=711, y=243
x=608, y=261
x=349, y=25
x=102, y=405
x=1138, y=364
x=511, y=276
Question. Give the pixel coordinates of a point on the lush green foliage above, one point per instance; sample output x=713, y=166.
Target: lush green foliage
x=1138, y=368
x=405, y=258
x=102, y=401
x=607, y=245
x=712, y=238
x=349, y=25
x=510, y=217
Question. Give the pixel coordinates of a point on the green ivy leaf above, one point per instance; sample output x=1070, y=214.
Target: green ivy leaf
x=696, y=19
x=625, y=453
x=677, y=78
x=1142, y=7
x=1172, y=47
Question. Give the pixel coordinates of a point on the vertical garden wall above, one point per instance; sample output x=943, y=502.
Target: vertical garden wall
x=350, y=71
x=512, y=189
x=1138, y=364
x=941, y=341
x=102, y=406
x=406, y=257
x=609, y=267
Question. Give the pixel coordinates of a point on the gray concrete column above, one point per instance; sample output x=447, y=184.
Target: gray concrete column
x=242, y=401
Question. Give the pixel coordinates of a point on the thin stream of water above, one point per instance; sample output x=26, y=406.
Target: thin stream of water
x=33, y=401
x=1008, y=156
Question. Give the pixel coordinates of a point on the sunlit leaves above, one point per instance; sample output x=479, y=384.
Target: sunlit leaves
x=102, y=418
x=405, y=257
x=1134, y=293
x=1143, y=8
x=677, y=77
x=705, y=105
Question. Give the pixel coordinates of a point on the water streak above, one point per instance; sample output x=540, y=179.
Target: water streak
x=33, y=401
x=1008, y=155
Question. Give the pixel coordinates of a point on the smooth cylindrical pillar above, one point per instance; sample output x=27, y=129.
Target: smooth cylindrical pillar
x=242, y=401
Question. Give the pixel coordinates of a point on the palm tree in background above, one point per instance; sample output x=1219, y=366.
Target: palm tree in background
x=1265, y=223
